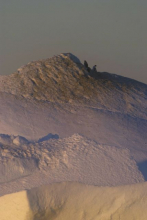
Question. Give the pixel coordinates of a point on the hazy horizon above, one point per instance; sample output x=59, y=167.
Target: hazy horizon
x=111, y=34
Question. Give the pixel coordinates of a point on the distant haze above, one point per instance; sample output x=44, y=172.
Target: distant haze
x=109, y=33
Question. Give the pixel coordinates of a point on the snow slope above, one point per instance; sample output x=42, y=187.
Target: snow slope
x=59, y=123
x=59, y=96
x=64, y=201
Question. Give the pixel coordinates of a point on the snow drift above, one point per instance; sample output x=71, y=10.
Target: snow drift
x=70, y=159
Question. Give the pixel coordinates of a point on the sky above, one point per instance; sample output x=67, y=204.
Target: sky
x=109, y=33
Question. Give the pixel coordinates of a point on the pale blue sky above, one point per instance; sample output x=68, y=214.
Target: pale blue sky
x=109, y=33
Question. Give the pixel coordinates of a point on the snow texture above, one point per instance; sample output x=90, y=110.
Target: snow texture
x=69, y=159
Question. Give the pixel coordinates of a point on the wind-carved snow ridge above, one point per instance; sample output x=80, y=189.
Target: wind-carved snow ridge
x=48, y=137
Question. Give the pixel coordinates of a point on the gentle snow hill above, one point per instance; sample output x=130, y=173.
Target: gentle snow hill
x=64, y=201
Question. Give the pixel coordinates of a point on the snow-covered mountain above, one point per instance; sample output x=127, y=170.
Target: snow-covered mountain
x=59, y=96
x=63, y=79
x=59, y=122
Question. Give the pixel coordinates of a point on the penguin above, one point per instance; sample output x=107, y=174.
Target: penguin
x=94, y=68
x=86, y=64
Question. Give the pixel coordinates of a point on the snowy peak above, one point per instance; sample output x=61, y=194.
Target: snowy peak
x=71, y=57
x=45, y=79
x=64, y=59
x=64, y=79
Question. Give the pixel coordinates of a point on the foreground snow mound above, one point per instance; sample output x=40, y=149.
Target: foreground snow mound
x=69, y=159
x=64, y=201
